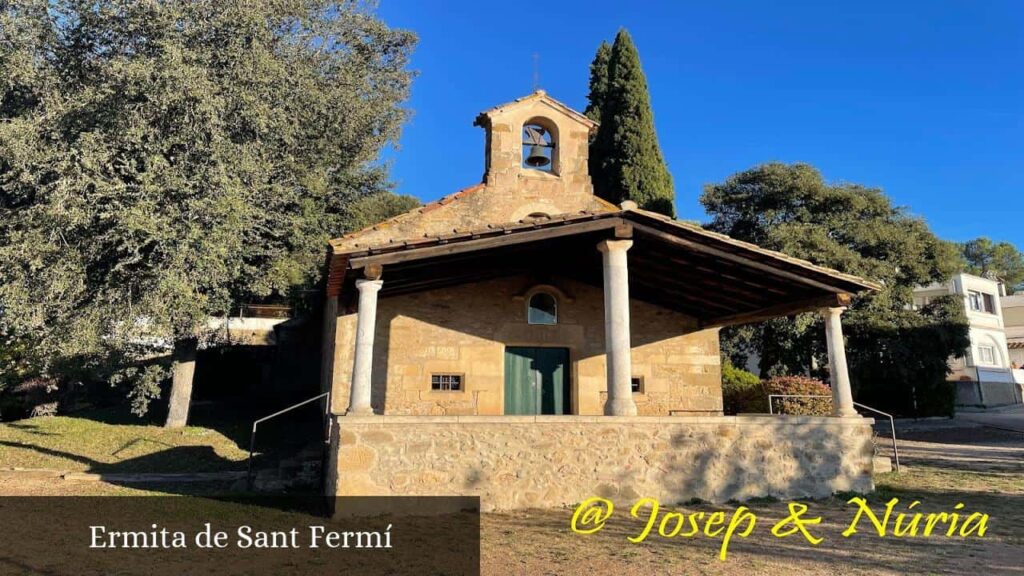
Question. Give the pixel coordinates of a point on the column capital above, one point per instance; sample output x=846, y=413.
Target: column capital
x=364, y=285
x=614, y=245
x=833, y=310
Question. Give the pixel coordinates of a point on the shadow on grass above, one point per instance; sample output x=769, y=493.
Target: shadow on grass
x=125, y=444
x=175, y=459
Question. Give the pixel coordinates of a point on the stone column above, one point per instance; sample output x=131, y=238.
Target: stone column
x=362, y=367
x=616, y=328
x=842, y=396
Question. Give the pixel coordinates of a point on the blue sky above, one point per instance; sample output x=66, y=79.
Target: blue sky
x=924, y=99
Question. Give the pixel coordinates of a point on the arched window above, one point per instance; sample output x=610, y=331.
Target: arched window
x=543, y=309
x=539, y=142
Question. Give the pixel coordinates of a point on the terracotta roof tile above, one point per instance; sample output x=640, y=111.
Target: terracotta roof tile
x=405, y=215
x=538, y=95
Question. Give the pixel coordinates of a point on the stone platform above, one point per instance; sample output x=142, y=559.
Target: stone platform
x=545, y=461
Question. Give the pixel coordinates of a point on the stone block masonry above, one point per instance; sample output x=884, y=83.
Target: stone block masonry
x=547, y=461
x=465, y=329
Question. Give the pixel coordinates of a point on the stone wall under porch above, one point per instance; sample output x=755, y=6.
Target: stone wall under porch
x=548, y=461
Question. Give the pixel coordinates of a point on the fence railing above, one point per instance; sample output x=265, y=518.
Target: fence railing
x=892, y=422
x=252, y=438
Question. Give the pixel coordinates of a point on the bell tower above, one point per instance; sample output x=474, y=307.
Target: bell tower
x=537, y=151
x=536, y=167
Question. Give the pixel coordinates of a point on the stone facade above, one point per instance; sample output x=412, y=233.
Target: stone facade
x=426, y=442
x=465, y=329
x=542, y=461
x=509, y=192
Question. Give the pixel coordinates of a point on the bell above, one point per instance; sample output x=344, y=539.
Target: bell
x=537, y=157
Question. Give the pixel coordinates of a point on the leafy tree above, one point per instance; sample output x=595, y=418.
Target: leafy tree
x=625, y=158
x=163, y=161
x=375, y=208
x=853, y=229
x=908, y=345
x=984, y=257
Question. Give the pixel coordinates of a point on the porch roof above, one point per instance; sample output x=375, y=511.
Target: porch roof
x=709, y=276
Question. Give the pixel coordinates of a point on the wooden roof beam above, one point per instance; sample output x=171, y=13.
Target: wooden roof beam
x=443, y=248
x=698, y=247
x=787, y=309
x=728, y=291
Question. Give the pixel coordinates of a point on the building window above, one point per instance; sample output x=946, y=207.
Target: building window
x=637, y=384
x=989, y=303
x=981, y=302
x=987, y=354
x=543, y=309
x=446, y=382
x=974, y=300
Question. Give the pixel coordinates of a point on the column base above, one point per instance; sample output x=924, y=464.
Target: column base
x=360, y=411
x=620, y=407
x=848, y=413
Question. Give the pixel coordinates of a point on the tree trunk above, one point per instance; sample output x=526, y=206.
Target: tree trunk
x=184, y=368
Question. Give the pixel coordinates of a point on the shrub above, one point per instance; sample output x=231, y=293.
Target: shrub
x=800, y=385
x=35, y=396
x=742, y=391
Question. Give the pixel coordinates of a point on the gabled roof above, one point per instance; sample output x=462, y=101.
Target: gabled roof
x=398, y=228
x=537, y=95
x=714, y=278
x=564, y=219
x=390, y=222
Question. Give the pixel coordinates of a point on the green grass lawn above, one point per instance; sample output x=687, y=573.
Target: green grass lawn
x=101, y=441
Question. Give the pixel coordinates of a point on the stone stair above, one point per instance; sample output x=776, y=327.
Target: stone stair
x=299, y=472
x=881, y=464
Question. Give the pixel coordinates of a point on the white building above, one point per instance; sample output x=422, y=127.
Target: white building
x=1013, y=321
x=984, y=370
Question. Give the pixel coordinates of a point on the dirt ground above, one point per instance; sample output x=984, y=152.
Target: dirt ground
x=980, y=468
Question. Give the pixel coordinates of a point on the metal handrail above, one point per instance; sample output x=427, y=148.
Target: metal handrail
x=892, y=422
x=252, y=438
x=892, y=426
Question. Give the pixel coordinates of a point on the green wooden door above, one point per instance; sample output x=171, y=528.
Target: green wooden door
x=537, y=381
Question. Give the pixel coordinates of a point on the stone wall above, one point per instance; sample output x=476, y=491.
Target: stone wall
x=521, y=462
x=465, y=329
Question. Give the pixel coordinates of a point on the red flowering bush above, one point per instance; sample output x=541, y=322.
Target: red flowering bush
x=804, y=386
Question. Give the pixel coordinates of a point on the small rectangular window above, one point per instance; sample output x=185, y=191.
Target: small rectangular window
x=974, y=300
x=989, y=303
x=637, y=383
x=446, y=382
x=987, y=354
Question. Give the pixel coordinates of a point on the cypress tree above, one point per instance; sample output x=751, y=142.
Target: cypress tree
x=595, y=104
x=625, y=158
x=598, y=81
